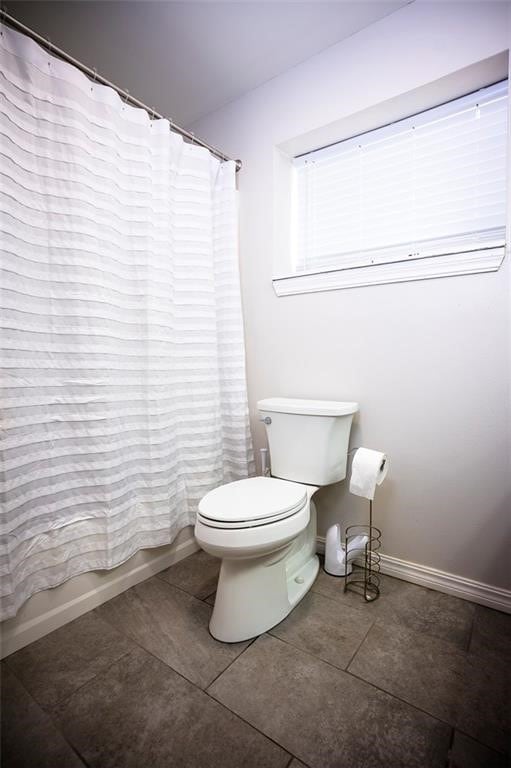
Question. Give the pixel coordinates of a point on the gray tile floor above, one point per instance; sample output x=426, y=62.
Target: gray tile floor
x=417, y=679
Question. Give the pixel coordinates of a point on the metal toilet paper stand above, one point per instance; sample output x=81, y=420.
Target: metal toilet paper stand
x=367, y=581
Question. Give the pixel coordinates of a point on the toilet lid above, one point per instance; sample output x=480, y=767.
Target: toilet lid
x=256, y=501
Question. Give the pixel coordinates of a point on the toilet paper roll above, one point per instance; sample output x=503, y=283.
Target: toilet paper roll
x=369, y=469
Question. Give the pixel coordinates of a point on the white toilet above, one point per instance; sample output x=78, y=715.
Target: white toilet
x=264, y=528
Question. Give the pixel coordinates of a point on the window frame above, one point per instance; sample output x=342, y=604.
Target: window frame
x=484, y=258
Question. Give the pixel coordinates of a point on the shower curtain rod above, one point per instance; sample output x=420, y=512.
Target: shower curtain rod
x=125, y=95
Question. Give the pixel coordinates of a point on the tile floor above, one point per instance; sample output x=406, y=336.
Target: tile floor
x=417, y=679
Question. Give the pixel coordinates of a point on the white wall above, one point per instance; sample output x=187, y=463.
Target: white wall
x=428, y=361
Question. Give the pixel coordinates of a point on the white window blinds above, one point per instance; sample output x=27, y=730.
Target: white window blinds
x=428, y=185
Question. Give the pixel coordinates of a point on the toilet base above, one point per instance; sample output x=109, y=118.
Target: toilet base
x=255, y=594
x=242, y=612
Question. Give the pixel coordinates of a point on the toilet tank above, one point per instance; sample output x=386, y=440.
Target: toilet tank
x=308, y=439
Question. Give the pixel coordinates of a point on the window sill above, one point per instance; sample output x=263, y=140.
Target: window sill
x=447, y=265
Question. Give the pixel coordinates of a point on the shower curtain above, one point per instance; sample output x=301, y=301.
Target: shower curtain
x=123, y=380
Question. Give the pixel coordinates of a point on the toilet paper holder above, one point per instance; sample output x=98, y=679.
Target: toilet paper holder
x=367, y=581
x=353, y=450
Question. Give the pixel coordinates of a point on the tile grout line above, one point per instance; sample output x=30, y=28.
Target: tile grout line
x=205, y=690
x=360, y=645
x=481, y=743
x=310, y=653
x=471, y=633
x=63, y=701
x=224, y=706
x=366, y=682
x=170, y=584
x=236, y=714
x=50, y=718
x=398, y=698
x=300, y=650
x=190, y=682
x=336, y=599
x=397, y=622
x=452, y=726
x=252, y=641
x=196, y=685
x=251, y=725
x=363, y=680
x=449, y=748
x=294, y=757
x=138, y=645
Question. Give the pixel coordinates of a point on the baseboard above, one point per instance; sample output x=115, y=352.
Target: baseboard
x=450, y=583
x=17, y=634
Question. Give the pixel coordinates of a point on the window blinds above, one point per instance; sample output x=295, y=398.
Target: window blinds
x=428, y=185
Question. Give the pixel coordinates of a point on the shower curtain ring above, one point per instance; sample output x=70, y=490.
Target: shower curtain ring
x=193, y=137
x=126, y=97
x=94, y=78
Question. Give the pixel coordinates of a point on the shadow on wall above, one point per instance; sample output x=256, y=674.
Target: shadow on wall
x=496, y=561
x=336, y=504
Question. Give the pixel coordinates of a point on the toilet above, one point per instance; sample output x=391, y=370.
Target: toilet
x=264, y=528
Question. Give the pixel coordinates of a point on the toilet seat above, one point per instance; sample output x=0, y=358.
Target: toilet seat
x=253, y=502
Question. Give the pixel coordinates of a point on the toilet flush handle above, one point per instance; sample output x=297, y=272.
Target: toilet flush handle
x=265, y=419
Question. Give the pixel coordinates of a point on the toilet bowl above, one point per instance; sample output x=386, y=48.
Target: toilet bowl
x=264, y=528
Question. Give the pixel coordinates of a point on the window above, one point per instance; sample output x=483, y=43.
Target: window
x=423, y=197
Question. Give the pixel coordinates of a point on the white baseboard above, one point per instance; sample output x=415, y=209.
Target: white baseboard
x=16, y=634
x=450, y=583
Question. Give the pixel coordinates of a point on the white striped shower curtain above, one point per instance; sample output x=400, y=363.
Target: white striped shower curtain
x=123, y=380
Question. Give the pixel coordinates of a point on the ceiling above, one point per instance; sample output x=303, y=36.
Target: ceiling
x=187, y=59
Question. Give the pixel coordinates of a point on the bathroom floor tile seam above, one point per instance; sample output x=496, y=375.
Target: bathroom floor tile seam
x=292, y=760
x=247, y=722
x=356, y=677
x=52, y=711
x=393, y=621
x=182, y=589
x=467, y=646
x=344, y=666
x=453, y=726
x=203, y=691
x=471, y=635
x=390, y=623
x=47, y=711
x=313, y=655
x=301, y=650
x=283, y=640
x=160, y=577
x=292, y=757
x=238, y=657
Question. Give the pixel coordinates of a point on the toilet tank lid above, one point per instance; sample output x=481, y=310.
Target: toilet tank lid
x=307, y=407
